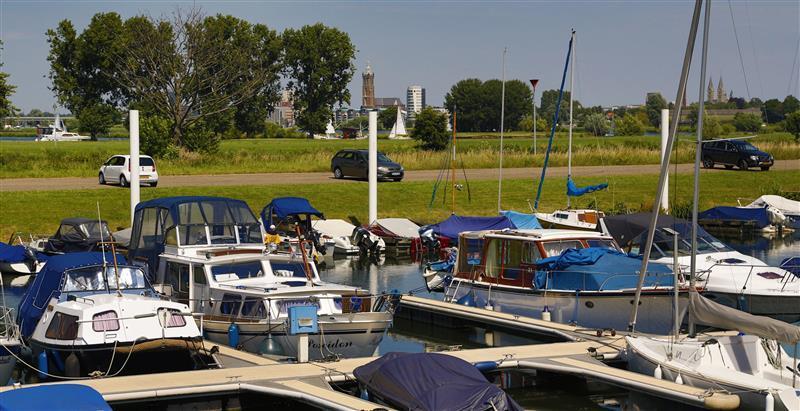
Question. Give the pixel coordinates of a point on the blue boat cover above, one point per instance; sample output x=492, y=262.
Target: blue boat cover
x=596, y=269
x=431, y=381
x=12, y=253
x=287, y=206
x=522, y=220
x=454, y=225
x=575, y=191
x=47, y=285
x=757, y=215
x=792, y=265
x=53, y=397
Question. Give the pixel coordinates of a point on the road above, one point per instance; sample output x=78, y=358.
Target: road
x=83, y=183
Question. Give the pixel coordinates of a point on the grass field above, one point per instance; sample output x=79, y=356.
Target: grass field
x=29, y=159
x=40, y=212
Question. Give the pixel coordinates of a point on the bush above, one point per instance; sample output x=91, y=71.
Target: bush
x=596, y=124
x=430, y=129
x=154, y=136
x=792, y=124
x=629, y=126
x=747, y=122
x=273, y=130
x=712, y=128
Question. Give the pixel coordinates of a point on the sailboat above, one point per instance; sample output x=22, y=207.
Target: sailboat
x=751, y=364
x=580, y=219
x=58, y=132
x=399, y=128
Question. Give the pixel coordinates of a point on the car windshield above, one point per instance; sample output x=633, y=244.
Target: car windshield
x=94, y=278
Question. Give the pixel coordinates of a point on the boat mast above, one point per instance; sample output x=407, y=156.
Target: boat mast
x=453, y=162
x=502, y=126
x=571, y=92
x=687, y=61
x=697, y=155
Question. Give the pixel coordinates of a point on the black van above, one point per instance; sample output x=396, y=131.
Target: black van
x=737, y=153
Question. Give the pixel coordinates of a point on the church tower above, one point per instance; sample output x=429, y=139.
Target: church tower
x=368, y=88
x=722, y=97
x=711, y=98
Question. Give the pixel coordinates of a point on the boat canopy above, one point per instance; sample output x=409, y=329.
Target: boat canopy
x=789, y=207
x=48, y=284
x=334, y=228
x=629, y=230
x=522, y=220
x=18, y=253
x=575, y=191
x=283, y=207
x=78, y=234
x=713, y=314
x=54, y=397
x=453, y=225
x=395, y=227
x=431, y=381
x=757, y=216
x=597, y=269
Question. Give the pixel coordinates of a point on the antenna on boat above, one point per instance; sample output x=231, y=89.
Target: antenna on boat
x=502, y=132
x=103, y=251
x=102, y=241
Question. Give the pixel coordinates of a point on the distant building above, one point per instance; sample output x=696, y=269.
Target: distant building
x=283, y=113
x=722, y=96
x=343, y=114
x=415, y=100
x=382, y=103
x=368, y=88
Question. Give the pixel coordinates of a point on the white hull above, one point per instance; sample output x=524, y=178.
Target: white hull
x=570, y=223
x=434, y=280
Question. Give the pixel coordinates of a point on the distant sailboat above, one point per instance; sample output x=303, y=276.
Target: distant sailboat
x=329, y=130
x=399, y=128
x=58, y=132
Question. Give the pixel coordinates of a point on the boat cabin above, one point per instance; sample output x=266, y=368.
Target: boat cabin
x=78, y=234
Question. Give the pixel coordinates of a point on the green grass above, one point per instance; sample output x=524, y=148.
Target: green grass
x=29, y=159
x=40, y=212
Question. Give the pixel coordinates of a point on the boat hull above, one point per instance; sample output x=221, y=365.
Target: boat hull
x=599, y=310
x=7, y=360
x=780, y=307
x=343, y=335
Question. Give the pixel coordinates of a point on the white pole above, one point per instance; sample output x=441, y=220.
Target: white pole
x=502, y=132
x=373, y=166
x=134, y=161
x=664, y=137
x=571, y=92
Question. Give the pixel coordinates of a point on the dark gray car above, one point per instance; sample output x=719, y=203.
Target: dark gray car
x=354, y=163
x=737, y=153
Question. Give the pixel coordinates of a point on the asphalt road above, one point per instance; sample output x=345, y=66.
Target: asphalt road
x=83, y=183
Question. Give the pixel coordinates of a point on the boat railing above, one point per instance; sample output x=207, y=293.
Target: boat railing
x=204, y=235
x=784, y=273
x=8, y=327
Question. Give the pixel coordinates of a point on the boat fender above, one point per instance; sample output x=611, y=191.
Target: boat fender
x=546, y=314
x=42, y=365
x=679, y=379
x=657, y=372
x=769, y=402
x=59, y=363
x=486, y=366
x=721, y=401
x=72, y=366
x=233, y=335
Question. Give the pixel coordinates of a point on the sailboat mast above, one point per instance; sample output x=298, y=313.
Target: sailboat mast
x=687, y=61
x=453, y=163
x=571, y=92
x=502, y=130
x=697, y=155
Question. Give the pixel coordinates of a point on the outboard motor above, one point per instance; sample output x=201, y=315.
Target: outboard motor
x=430, y=244
x=362, y=238
x=314, y=236
x=776, y=216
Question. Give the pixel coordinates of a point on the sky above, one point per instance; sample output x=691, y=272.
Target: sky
x=624, y=49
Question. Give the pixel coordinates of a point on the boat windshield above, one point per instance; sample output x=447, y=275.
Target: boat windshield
x=94, y=278
x=237, y=271
x=554, y=248
x=663, y=244
x=602, y=243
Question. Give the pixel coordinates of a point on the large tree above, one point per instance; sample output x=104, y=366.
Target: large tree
x=479, y=104
x=190, y=69
x=6, y=90
x=655, y=103
x=430, y=129
x=319, y=63
x=466, y=99
x=547, y=109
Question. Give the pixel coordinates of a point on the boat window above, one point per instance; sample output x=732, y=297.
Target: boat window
x=562, y=216
x=129, y=277
x=254, y=307
x=199, y=274
x=95, y=230
x=494, y=258
x=554, y=248
x=105, y=321
x=284, y=305
x=235, y=271
x=148, y=234
x=178, y=276
x=85, y=279
x=531, y=252
x=230, y=304
x=62, y=327
x=175, y=317
x=512, y=258
x=602, y=243
x=288, y=269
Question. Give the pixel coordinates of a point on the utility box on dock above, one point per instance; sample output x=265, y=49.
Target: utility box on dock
x=303, y=321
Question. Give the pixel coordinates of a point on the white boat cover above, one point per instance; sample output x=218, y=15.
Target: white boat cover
x=334, y=227
x=401, y=227
x=789, y=207
x=709, y=313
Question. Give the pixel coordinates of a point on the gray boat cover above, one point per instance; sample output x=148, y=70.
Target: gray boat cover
x=713, y=314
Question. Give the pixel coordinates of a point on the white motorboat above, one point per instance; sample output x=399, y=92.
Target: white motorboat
x=789, y=208
x=58, y=132
x=571, y=219
x=341, y=233
x=216, y=263
x=19, y=259
x=89, y=314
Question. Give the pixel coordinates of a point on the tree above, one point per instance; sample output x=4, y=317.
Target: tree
x=655, y=103
x=790, y=104
x=430, y=129
x=525, y=123
x=466, y=99
x=191, y=68
x=518, y=102
x=629, y=126
x=97, y=118
x=6, y=90
x=251, y=115
x=792, y=124
x=712, y=128
x=548, y=107
x=597, y=124
x=773, y=111
x=319, y=62
x=386, y=118
x=747, y=122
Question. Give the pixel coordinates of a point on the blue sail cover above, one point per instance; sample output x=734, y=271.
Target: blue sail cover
x=287, y=206
x=596, y=269
x=758, y=216
x=431, y=381
x=47, y=285
x=54, y=397
x=454, y=225
x=522, y=220
x=575, y=191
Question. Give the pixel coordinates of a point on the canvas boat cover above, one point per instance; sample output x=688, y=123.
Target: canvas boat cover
x=78, y=234
x=628, y=228
x=431, y=381
x=455, y=224
x=47, y=285
x=334, y=228
x=575, y=191
x=597, y=269
x=522, y=220
x=758, y=216
x=283, y=207
x=395, y=227
x=54, y=397
x=789, y=207
x=713, y=314
x=17, y=254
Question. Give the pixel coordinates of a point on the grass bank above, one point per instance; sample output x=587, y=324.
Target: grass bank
x=40, y=212
x=49, y=159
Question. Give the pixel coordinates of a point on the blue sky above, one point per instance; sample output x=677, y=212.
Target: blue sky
x=624, y=49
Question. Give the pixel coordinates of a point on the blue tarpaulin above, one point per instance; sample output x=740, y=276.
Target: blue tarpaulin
x=47, y=285
x=431, y=381
x=53, y=397
x=575, y=191
x=522, y=220
x=454, y=225
x=595, y=269
x=12, y=253
x=757, y=216
x=287, y=206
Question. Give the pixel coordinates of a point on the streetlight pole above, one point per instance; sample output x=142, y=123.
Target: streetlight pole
x=533, y=84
